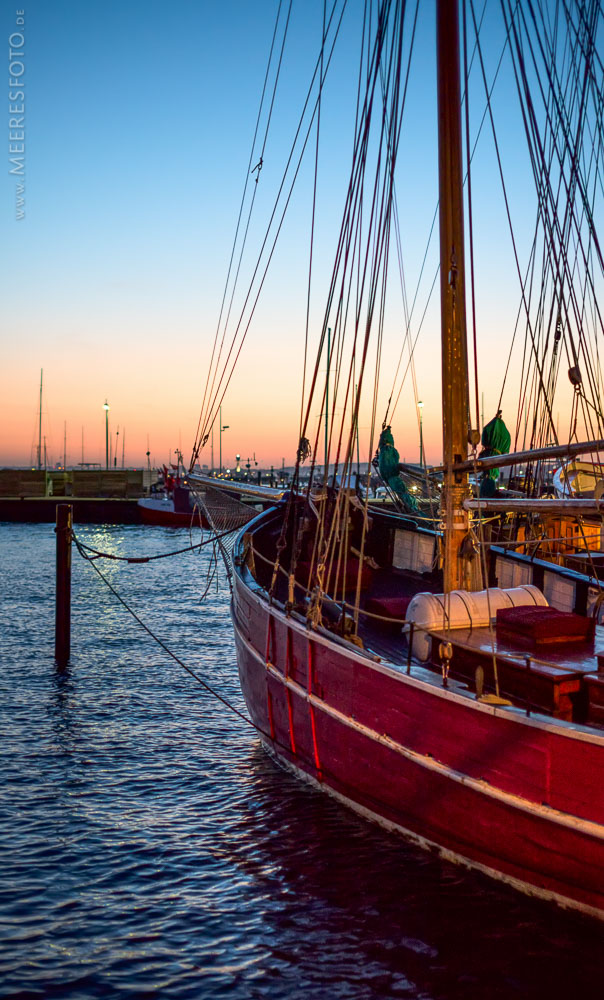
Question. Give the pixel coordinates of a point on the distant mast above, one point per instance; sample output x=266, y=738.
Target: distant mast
x=40, y=424
x=452, y=286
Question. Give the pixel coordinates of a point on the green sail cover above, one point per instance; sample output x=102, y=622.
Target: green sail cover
x=388, y=464
x=496, y=440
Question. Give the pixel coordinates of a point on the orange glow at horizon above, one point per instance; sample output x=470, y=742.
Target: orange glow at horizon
x=159, y=403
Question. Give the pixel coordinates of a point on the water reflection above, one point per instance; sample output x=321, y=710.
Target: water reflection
x=414, y=921
x=62, y=707
x=149, y=844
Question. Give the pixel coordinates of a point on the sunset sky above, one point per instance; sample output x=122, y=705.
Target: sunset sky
x=139, y=116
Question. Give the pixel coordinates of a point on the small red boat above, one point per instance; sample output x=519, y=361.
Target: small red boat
x=173, y=507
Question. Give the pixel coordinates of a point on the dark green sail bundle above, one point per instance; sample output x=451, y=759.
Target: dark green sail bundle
x=389, y=468
x=496, y=440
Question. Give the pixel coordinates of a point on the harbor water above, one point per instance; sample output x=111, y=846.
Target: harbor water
x=150, y=847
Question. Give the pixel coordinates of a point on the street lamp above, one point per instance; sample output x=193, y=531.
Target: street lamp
x=222, y=428
x=420, y=407
x=106, y=409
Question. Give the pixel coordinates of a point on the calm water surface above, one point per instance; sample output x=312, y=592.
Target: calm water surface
x=149, y=847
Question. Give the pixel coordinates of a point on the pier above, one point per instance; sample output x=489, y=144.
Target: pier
x=97, y=496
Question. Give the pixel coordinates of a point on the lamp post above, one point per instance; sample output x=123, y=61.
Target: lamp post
x=420, y=407
x=222, y=428
x=106, y=409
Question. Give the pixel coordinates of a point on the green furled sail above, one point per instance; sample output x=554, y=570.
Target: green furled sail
x=496, y=440
x=389, y=468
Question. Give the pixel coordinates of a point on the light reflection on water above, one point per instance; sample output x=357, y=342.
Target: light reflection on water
x=149, y=845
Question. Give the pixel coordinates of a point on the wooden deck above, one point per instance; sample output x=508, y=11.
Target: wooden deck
x=562, y=680
x=549, y=679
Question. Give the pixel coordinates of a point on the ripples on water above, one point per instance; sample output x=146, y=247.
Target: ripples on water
x=148, y=846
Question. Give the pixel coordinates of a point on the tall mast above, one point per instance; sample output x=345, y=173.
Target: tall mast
x=40, y=424
x=452, y=290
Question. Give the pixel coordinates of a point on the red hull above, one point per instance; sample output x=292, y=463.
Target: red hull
x=518, y=797
x=164, y=517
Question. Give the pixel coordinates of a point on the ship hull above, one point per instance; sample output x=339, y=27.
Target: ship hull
x=161, y=512
x=516, y=797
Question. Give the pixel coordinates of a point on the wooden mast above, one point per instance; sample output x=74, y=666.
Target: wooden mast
x=452, y=286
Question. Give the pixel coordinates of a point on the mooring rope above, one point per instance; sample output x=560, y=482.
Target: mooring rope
x=270, y=738
x=204, y=684
x=160, y=642
x=81, y=546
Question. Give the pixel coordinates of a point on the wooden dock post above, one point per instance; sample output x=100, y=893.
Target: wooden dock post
x=63, y=591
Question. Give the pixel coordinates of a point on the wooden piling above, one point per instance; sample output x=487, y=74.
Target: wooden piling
x=63, y=585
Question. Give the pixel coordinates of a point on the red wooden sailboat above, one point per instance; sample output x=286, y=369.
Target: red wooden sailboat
x=459, y=700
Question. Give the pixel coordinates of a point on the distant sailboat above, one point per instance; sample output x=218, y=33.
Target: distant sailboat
x=40, y=422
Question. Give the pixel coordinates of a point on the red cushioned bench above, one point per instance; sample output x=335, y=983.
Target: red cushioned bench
x=539, y=626
x=553, y=687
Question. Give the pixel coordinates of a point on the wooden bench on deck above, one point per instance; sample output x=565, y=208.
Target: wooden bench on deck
x=595, y=692
x=555, y=687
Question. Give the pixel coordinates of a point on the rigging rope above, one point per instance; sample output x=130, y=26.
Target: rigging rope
x=470, y=214
x=312, y=223
x=248, y=173
x=557, y=150
x=267, y=249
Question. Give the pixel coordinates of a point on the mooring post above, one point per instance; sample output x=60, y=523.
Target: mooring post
x=63, y=598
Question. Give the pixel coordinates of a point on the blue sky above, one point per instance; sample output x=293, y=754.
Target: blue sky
x=139, y=119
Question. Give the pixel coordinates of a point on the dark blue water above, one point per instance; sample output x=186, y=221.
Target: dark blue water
x=149, y=847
